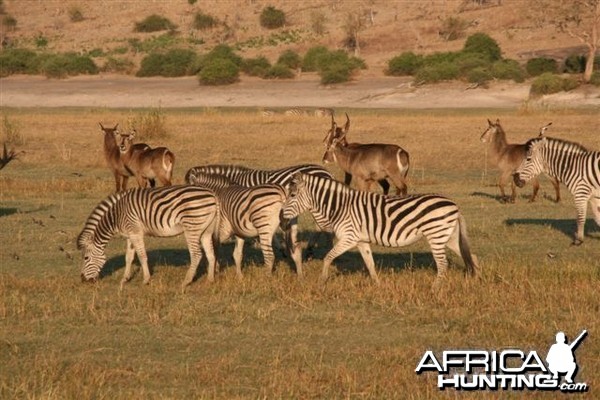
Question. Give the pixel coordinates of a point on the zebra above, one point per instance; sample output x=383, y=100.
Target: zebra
x=164, y=211
x=249, y=212
x=572, y=164
x=323, y=112
x=251, y=177
x=295, y=112
x=358, y=218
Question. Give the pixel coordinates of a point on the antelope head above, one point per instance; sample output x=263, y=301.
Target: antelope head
x=126, y=141
x=336, y=136
x=491, y=130
x=108, y=130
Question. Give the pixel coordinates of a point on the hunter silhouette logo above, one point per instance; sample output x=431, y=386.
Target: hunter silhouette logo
x=509, y=369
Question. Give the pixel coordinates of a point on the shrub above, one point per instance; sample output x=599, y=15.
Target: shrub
x=174, y=63
x=11, y=132
x=118, y=65
x=17, y=61
x=548, y=83
x=41, y=41
x=204, y=21
x=272, y=18
x=508, y=69
x=469, y=61
x=75, y=14
x=337, y=72
x=479, y=75
x=279, y=71
x=219, y=71
x=9, y=22
x=154, y=23
x=438, y=72
x=453, y=28
x=256, y=66
x=481, y=43
x=225, y=52
x=406, y=63
x=312, y=56
x=575, y=64
x=290, y=59
x=67, y=64
x=541, y=65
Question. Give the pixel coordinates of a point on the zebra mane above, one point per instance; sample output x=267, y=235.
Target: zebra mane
x=564, y=144
x=86, y=237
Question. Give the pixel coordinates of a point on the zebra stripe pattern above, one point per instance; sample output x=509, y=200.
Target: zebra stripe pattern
x=251, y=177
x=574, y=165
x=249, y=212
x=358, y=218
x=165, y=211
x=296, y=112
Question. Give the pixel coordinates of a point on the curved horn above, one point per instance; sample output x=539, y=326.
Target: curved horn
x=331, y=133
x=347, y=125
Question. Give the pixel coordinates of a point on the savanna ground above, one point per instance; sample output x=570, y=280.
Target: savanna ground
x=274, y=337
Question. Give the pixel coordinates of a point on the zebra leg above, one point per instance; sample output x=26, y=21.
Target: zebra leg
x=295, y=249
x=342, y=246
x=556, y=185
x=238, y=253
x=441, y=260
x=137, y=241
x=595, y=203
x=209, y=249
x=536, y=187
x=581, y=206
x=129, y=256
x=266, y=239
x=367, y=255
x=193, y=243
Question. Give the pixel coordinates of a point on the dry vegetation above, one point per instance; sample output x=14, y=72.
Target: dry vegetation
x=272, y=337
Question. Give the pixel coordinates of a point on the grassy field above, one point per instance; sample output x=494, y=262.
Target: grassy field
x=273, y=337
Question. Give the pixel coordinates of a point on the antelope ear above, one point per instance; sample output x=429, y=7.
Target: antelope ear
x=101, y=127
x=497, y=121
x=490, y=122
x=116, y=126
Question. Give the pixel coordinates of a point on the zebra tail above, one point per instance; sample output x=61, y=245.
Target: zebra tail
x=465, y=250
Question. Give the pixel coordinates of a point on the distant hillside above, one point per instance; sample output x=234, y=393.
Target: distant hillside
x=105, y=27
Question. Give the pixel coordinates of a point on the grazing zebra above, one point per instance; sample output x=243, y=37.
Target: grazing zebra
x=572, y=164
x=249, y=212
x=251, y=177
x=323, y=112
x=358, y=218
x=164, y=211
x=296, y=112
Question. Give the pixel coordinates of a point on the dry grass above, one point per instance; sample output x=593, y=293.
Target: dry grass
x=272, y=337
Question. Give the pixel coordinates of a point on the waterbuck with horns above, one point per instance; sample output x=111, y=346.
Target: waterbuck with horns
x=113, y=156
x=368, y=163
x=507, y=157
x=147, y=165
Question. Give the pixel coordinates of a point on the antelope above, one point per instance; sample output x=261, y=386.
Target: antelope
x=113, y=156
x=507, y=157
x=366, y=162
x=149, y=164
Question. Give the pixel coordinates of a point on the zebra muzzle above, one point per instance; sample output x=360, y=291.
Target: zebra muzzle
x=518, y=181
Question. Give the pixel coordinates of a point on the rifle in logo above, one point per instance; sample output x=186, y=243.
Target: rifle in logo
x=561, y=358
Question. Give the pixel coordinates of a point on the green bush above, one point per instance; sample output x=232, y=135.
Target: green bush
x=541, y=65
x=479, y=75
x=311, y=58
x=438, y=72
x=336, y=72
x=290, y=59
x=219, y=71
x=481, y=43
x=256, y=66
x=469, y=61
x=272, y=18
x=441, y=57
x=154, y=23
x=204, y=21
x=508, y=69
x=118, y=65
x=548, y=83
x=225, y=52
x=173, y=63
x=68, y=64
x=279, y=71
x=17, y=61
x=406, y=63
x=575, y=64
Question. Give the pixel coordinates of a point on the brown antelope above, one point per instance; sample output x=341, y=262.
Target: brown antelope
x=113, y=156
x=507, y=157
x=368, y=163
x=149, y=164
